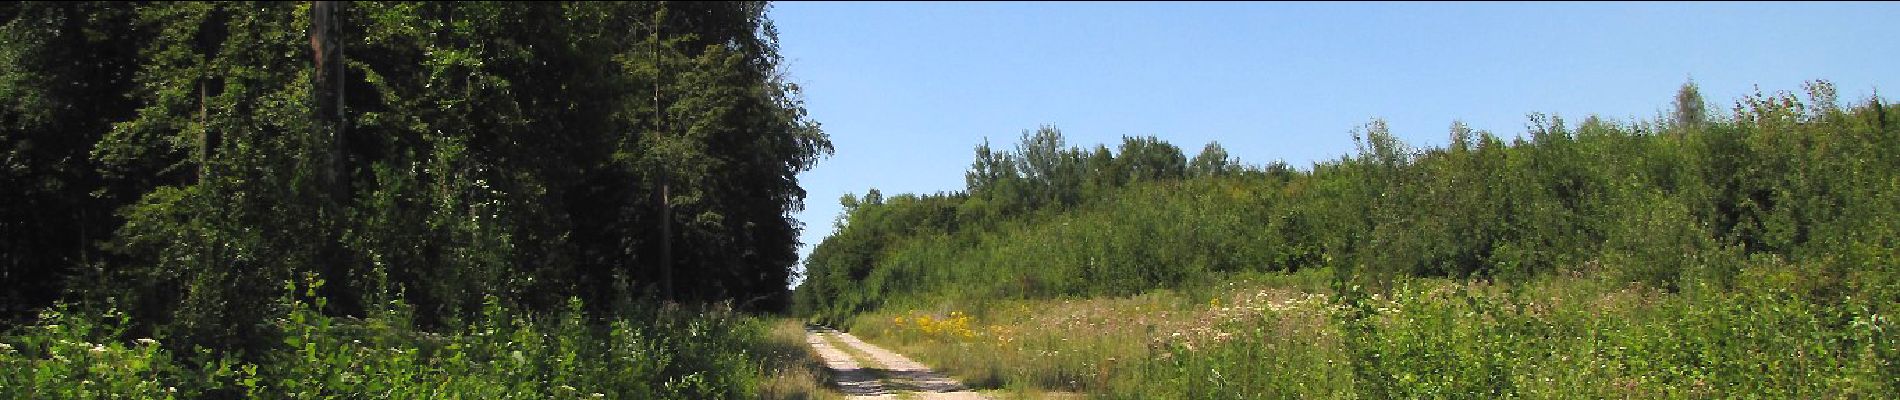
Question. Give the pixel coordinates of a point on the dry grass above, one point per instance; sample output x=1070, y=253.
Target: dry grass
x=1057, y=348
x=1555, y=337
x=796, y=371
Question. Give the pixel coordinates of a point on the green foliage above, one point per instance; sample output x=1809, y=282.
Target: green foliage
x=72, y=354
x=1213, y=160
x=1690, y=110
x=1671, y=208
x=67, y=65
x=1693, y=256
x=442, y=166
x=645, y=353
x=1593, y=340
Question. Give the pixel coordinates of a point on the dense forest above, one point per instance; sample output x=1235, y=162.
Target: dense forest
x=1764, y=231
x=218, y=190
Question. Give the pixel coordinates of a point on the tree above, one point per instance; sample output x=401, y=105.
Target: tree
x=740, y=136
x=1102, y=174
x=460, y=151
x=1149, y=158
x=1213, y=161
x=214, y=249
x=990, y=166
x=69, y=64
x=1689, y=108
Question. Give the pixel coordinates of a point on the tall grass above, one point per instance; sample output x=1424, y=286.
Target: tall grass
x=793, y=370
x=1562, y=336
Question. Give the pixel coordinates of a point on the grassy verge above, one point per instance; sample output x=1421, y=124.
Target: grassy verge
x=793, y=370
x=1562, y=336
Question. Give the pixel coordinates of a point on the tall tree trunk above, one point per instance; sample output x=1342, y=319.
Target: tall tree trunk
x=327, y=52
x=204, y=133
x=666, y=201
x=328, y=122
x=666, y=236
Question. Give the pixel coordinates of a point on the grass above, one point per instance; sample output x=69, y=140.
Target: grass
x=1571, y=335
x=794, y=370
x=1047, y=348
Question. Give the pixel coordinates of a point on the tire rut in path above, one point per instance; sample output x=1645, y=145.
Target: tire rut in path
x=892, y=374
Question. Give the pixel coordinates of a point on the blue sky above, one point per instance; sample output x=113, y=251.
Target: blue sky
x=907, y=89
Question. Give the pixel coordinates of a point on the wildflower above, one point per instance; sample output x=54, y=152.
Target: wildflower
x=169, y=389
x=98, y=349
x=599, y=395
x=567, y=388
x=5, y=348
x=146, y=341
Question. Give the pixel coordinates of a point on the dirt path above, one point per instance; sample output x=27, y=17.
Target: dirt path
x=891, y=373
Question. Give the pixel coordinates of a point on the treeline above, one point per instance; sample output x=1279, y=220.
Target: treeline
x=1683, y=202
x=1041, y=179
x=184, y=162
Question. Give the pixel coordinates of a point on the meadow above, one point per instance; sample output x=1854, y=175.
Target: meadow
x=1280, y=336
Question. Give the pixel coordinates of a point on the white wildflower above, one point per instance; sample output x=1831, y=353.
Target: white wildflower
x=98, y=349
x=5, y=348
x=146, y=341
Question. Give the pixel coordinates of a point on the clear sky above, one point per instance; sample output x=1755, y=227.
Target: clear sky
x=906, y=90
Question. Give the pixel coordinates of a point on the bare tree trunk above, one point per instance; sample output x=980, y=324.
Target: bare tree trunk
x=326, y=48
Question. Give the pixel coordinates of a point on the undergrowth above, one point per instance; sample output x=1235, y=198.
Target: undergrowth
x=645, y=352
